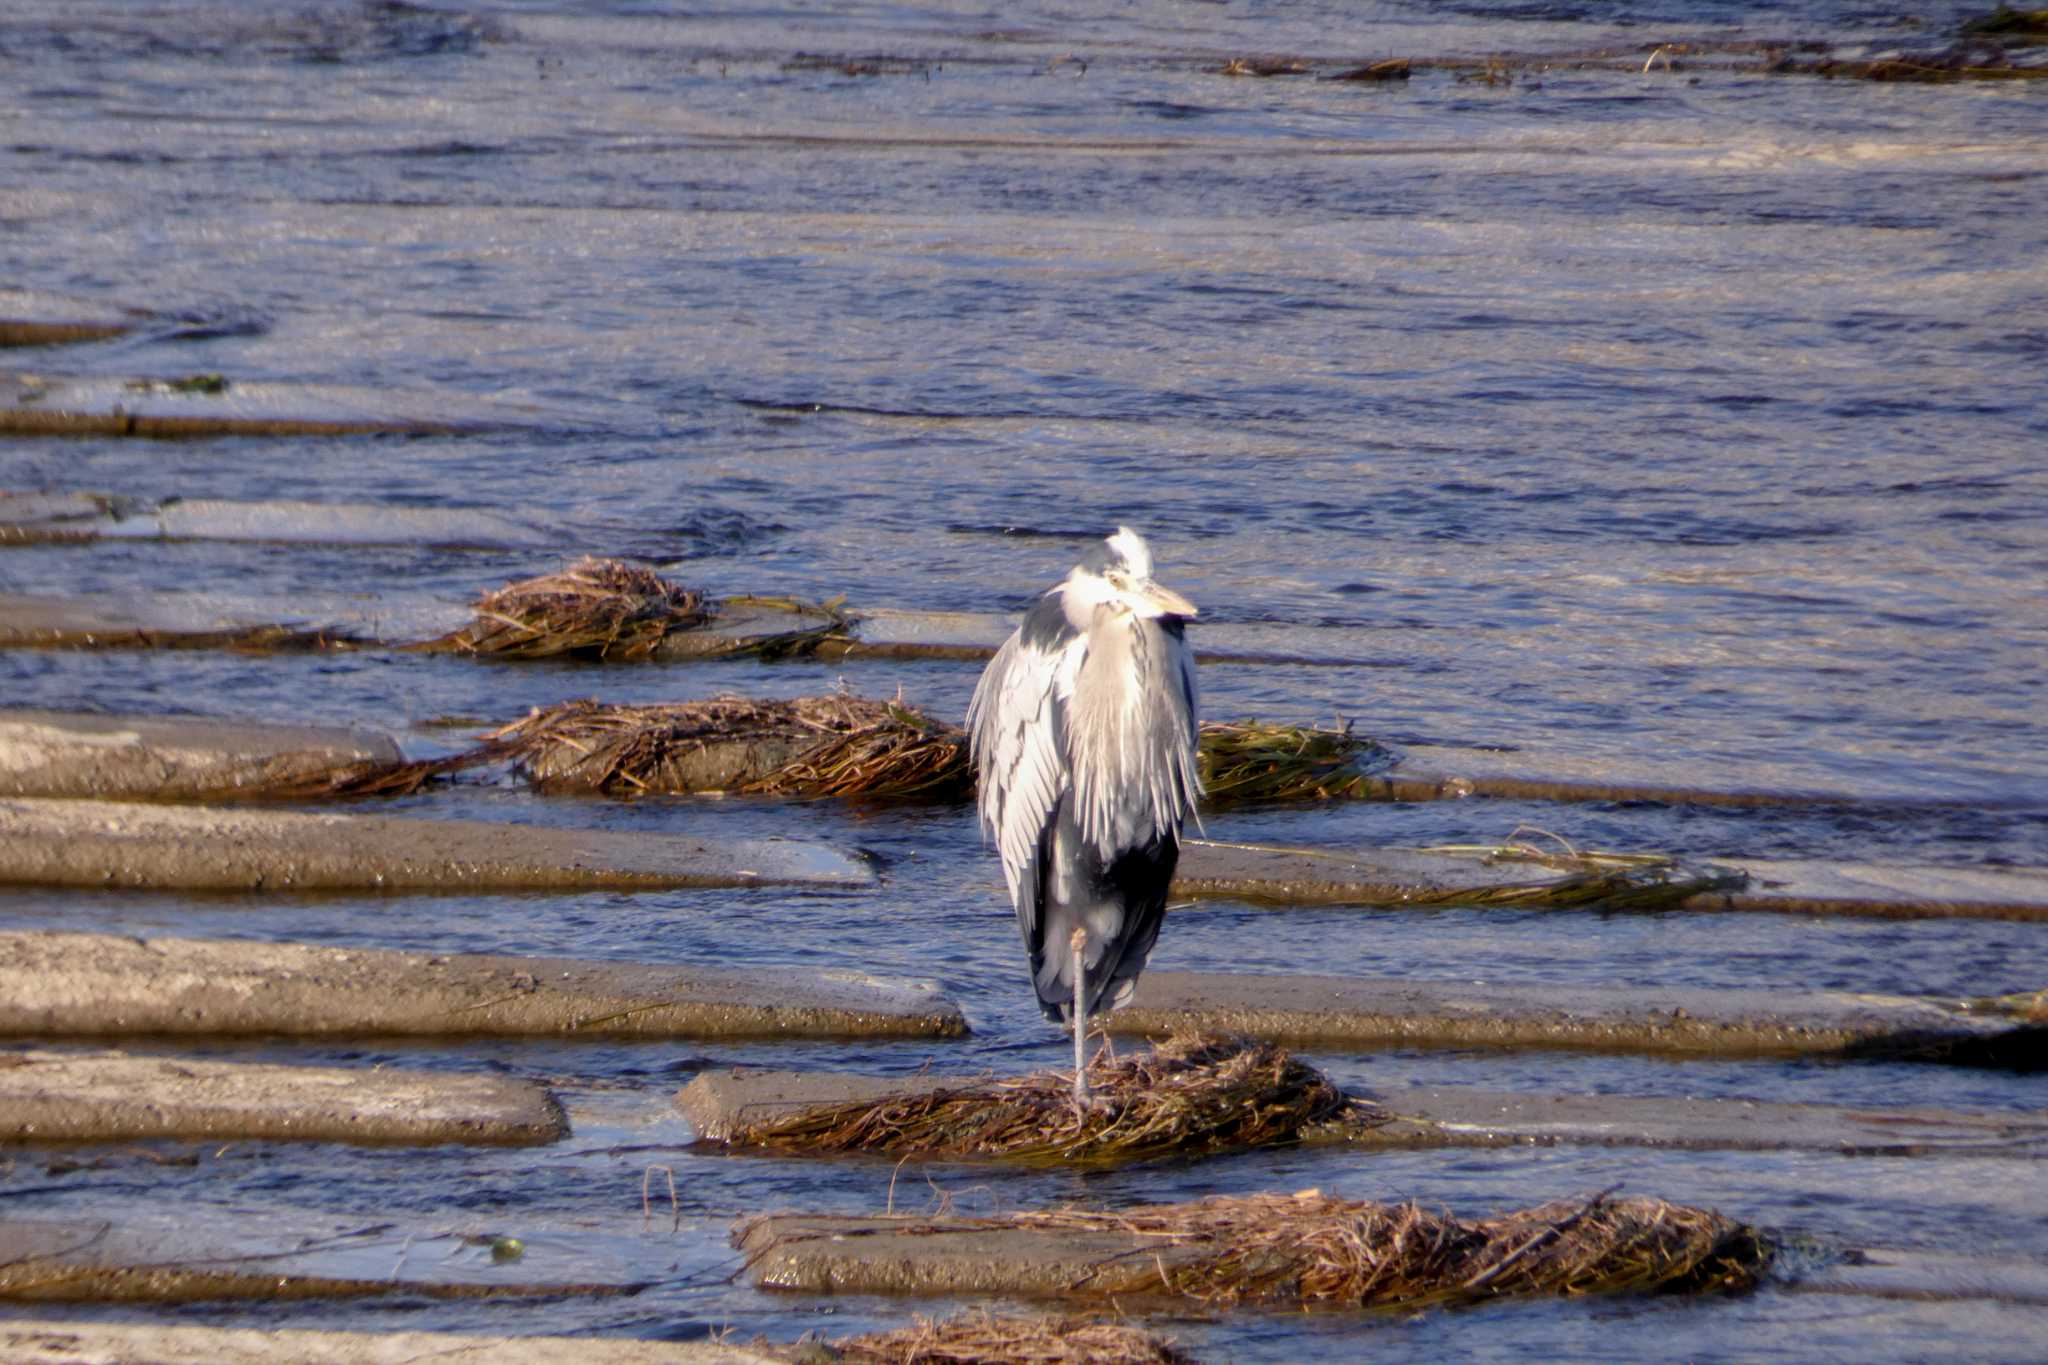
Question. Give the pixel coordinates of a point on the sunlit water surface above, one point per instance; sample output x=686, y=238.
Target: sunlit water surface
x=1687, y=423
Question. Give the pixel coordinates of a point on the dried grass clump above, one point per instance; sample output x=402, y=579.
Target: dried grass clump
x=599, y=607
x=979, y=1337
x=809, y=747
x=1187, y=1096
x=1311, y=1251
x=1254, y=761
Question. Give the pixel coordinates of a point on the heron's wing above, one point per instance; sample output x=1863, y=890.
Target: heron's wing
x=1017, y=726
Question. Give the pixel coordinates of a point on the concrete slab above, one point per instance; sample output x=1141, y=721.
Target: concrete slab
x=81, y=1262
x=718, y=1102
x=210, y=405
x=906, y=1254
x=1886, y=1273
x=210, y=848
x=70, y=517
x=115, y=1097
x=1814, y=886
x=1343, y=1013
x=1403, y=876
x=208, y=621
x=104, y=985
x=35, y=317
x=99, y=1343
x=1456, y=1116
x=64, y=753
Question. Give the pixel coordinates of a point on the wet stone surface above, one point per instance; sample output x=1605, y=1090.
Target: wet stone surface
x=1323, y=1011
x=114, y=1097
x=107, y=843
x=55, y=753
x=99, y=985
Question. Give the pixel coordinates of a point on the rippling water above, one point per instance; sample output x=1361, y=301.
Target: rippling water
x=1685, y=422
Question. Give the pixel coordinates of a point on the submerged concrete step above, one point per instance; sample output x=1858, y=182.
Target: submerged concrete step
x=34, y=518
x=116, y=1097
x=1334, y=1012
x=1276, y=875
x=216, y=405
x=104, y=985
x=57, y=1342
x=717, y=1102
x=65, y=753
x=48, y=1261
x=205, y=848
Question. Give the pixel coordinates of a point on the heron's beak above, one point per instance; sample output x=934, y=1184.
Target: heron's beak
x=1165, y=601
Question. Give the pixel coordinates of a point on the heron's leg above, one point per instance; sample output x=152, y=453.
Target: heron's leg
x=1078, y=942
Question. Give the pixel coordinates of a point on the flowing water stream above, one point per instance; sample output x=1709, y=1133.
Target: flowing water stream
x=1685, y=421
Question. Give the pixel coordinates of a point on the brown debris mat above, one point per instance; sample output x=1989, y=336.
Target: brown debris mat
x=809, y=747
x=1187, y=1096
x=979, y=1337
x=846, y=746
x=1309, y=1250
x=602, y=608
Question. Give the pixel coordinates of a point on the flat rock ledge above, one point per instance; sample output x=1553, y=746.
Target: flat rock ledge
x=717, y=1103
x=197, y=848
x=1341, y=1013
x=79, y=1262
x=104, y=985
x=102, y=1343
x=70, y=754
x=115, y=1097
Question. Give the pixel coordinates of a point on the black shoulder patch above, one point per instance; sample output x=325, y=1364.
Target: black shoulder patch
x=1045, y=627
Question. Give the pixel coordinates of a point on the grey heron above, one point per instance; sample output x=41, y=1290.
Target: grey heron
x=1083, y=730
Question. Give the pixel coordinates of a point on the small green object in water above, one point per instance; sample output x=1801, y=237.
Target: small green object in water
x=505, y=1249
x=200, y=383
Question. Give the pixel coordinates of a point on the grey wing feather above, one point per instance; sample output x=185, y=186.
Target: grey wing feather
x=1016, y=725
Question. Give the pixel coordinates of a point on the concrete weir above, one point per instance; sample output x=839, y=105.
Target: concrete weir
x=717, y=1102
x=28, y=1342
x=73, y=517
x=211, y=405
x=1342, y=1013
x=115, y=1097
x=103, y=985
x=61, y=753
x=96, y=1262
x=206, y=848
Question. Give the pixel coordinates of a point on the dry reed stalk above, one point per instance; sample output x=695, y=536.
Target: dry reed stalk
x=1309, y=1250
x=1187, y=1096
x=979, y=1337
x=599, y=607
x=1620, y=881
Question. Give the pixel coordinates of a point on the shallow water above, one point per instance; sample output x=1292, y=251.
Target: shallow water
x=1688, y=422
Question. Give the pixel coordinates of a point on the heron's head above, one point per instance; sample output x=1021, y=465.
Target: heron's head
x=1118, y=574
